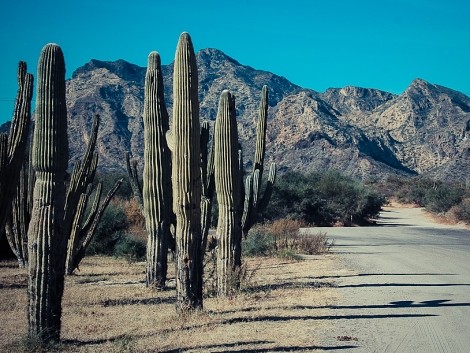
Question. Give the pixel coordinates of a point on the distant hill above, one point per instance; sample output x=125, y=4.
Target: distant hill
x=363, y=132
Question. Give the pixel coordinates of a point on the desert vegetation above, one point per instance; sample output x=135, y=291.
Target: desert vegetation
x=173, y=203
x=324, y=199
x=447, y=199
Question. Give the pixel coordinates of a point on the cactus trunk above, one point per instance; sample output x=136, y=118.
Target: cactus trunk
x=227, y=183
x=157, y=175
x=184, y=141
x=12, y=147
x=47, y=240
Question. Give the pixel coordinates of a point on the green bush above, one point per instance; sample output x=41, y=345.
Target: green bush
x=131, y=248
x=442, y=197
x=111, y=228
x=323, y=199
x=257, y=243
x=462, y=210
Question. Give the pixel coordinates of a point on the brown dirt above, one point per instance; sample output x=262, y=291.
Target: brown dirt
x=108, y=309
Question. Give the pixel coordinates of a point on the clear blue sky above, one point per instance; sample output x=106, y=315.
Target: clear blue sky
x=316, y=44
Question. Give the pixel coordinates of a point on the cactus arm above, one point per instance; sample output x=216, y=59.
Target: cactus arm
x=248, y=205
x=131, y=165
x=81, y=251
x=258, y=162
x=16, y=228
x=74, y=237
x=208, y=186
x=12, y=148
x=263, y=203
x=93, y=209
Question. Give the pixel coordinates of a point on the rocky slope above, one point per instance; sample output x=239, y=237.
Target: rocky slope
x=363, y=132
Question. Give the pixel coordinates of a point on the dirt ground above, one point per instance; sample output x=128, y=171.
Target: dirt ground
x=106, y=308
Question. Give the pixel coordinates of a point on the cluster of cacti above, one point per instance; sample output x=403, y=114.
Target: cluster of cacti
x=196, y=174
x=184, y=142
x=227, y=184
x=13, y=145
x=47, y=240
x=157, y=175
x=254, y=202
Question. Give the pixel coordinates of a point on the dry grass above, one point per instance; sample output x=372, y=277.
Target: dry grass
x=108, y=309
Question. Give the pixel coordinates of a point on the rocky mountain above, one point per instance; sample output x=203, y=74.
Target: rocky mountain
x=363, y=132
x=115, y=91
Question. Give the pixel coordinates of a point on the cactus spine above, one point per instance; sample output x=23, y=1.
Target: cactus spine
x=184, y=142
x=12, y=146
x=254, y=202
x=157, y=175
x=47, y=239
x=227, y=184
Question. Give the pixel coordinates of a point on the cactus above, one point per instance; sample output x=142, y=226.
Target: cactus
x=208, y=185
x=184, y=142
x=47, y=240
x=227, y=184
x=254, y=202
x=80, y=230
x=12, y=147
x=157, y=175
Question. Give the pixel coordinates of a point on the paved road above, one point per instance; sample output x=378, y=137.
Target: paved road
x=406, y=287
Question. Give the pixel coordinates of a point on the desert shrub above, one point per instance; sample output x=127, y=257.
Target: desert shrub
x=108, y=179
x=413, y=191
x=314, y=244
x=442, y=197
x=462, y=210
x=258, y=242
x=323, y=199
x=289, y=240
x=131, y=248
x=284, y=232
x=111, y=228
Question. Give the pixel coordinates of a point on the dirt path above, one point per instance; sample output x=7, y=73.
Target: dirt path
x=404, y=286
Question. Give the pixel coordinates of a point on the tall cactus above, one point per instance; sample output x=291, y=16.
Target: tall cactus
x=47, y=240
x=157, y=174
x=12, y=146
x=227, y=184
x=184, y=142
x=254, y=201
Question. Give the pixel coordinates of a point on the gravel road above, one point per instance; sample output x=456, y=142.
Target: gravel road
x=403, y=286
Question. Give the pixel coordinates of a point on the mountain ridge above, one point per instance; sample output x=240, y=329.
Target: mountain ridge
x=363, y=132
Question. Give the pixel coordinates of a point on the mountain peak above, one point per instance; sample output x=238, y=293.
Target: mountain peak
x=212, y=54
x=120, y=68
x=419, y=85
